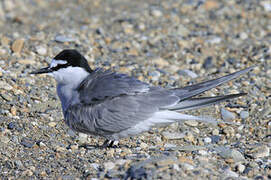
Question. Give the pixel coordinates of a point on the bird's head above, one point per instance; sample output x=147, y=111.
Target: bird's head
x=66, y=67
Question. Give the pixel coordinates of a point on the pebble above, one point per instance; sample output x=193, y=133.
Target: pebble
x=63, y=39
x=41, y=50
x=215, y=139
x=260, y=152
x=229, y=173
x=230, y=154
x=203, y=152
x=188, y=167
x=208, y=63
x=244, y=114
x=173, y=135
x=12, y=125
x=227, y=115
x=27, y=143
x=229, y=131
x=207, y=140
x=52, y=124
x=187, y=72
x=83, y=138
x=241, y=168
x=109, y=165
x=156, y=13
x=17, y=45
x=144, y=145
x=6, y=86
x=267, y=5
x=160, y=62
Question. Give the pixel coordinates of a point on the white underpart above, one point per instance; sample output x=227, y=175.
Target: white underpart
x=160, y=118
x=68, y=79
x=54, y=63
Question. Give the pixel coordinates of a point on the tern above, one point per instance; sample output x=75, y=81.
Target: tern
x=114, y=105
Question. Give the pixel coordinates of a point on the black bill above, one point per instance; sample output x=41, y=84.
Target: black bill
x=42, y=71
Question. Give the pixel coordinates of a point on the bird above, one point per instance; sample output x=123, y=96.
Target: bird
x=114, y=105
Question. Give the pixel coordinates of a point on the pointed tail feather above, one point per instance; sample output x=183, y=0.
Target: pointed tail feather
x=194, y=103
x=190, y=91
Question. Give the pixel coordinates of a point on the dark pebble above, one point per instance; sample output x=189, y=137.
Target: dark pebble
x=27, y=143
x=11, y=125
x=215, y=139
x=208, y=62
x=231, y=60
x=136, y=173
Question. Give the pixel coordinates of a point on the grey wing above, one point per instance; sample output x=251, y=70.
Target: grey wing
x=101, y=84
x=124, y=112
x=119, y=113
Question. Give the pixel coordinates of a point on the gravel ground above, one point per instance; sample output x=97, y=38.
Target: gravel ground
x=169, y=43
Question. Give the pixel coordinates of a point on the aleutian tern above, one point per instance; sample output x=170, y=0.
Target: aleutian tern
x=113, y=105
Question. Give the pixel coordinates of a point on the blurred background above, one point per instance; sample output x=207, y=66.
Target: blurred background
x=168, y=43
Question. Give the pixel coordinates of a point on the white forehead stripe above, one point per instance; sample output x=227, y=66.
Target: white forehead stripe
x=54, y=63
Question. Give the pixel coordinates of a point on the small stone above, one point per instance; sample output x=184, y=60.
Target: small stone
x=5, y=41
x=188, y=167
x=160, y=62
x=229, y=173
x=41, y=50
x=17, y=45
x=189, y=137
x=208, y=63
x=52, y=124
x=215, y=132
x=4, y=139
x=95, y=166
x=227, y=115
x=267, y=5
x=41, y=144
x=241, y=168
x=83, y=138
x=187, y=72
x=26, y=61
x=109, y=165
x=165, y=162
x=6, y=86
x=243, y=35
x=27, y=172
x=60, y=149
x=156, y=13
x=11, y=125
x=27, y=143
x=215, y=139
x=74, y=147
x=207, y=140
x=214, y=40
x=63, y=39
x=43, y=173
x=154, y=75
x=211, y=4
x=260, y=152
x=203, y=152
x=192, y=123
x=13, y=110
x=231, y=60
x=227, y=153
x=173, y=135
x=244, y=114
x=144, y=145
x=228, y=131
